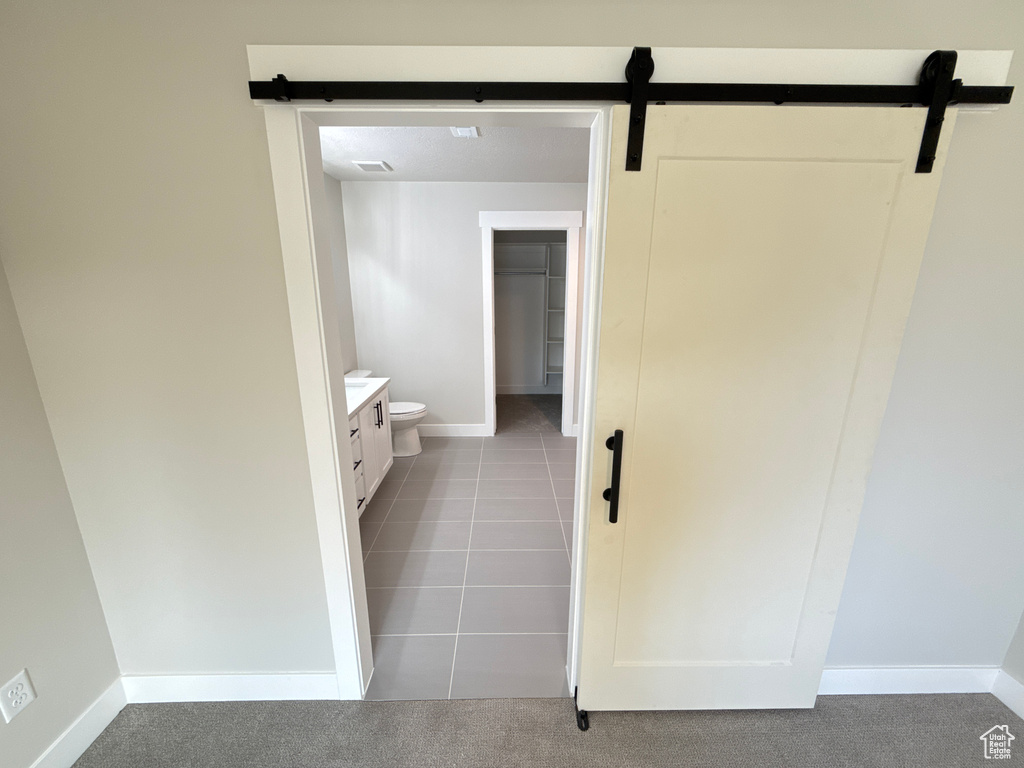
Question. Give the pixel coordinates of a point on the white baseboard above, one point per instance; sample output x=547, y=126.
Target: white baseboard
x=882, y=680
x=465, y=430
x=77, y=737
x=1010, y=692
x=153, y=689
x=454, y=430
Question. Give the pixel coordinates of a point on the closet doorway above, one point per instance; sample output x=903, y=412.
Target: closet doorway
x=531, y=290
x=529, y=329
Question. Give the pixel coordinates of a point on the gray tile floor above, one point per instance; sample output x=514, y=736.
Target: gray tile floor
x=467, y=569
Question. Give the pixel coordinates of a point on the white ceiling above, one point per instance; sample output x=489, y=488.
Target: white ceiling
x=434, y=154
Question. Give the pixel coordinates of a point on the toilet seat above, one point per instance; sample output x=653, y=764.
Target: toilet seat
x=401, y=411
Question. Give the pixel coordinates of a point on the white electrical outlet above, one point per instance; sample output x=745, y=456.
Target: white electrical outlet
x=17, y=694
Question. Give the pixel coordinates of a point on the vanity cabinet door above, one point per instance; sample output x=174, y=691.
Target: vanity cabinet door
x=382, y=436
x=368, y=445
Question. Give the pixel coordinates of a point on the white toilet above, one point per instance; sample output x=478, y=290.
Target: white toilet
x=405, y=437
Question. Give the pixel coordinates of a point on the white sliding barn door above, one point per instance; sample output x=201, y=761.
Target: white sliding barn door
x=758, y=274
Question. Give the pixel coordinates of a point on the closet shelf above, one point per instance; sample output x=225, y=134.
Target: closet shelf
x=556, y=341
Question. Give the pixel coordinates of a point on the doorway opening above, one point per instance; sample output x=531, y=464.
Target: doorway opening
x=532, y=320
x=466, y=536
x=529, y=330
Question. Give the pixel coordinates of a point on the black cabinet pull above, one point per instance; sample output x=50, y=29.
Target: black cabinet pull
x=360, y=502
x=611, y=495
x=352, y=432
x=356, y=465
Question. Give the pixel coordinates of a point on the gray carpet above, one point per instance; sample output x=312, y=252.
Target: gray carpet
x=528, y=413
x=882, y=731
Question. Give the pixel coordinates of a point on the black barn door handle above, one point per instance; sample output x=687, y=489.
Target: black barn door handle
x=611, y=495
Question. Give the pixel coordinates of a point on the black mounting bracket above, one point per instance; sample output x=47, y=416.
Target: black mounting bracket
x=280, y=88
x=582, y=718
x=639, y=69
x=942, y=90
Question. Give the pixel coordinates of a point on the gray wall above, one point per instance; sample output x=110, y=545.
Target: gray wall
x=342, y=283
x=52, y=619
x=416, y=260
x=138, y=230
x=936, y=576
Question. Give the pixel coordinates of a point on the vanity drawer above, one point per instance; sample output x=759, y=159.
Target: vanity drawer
x=353, y=426
x=357, y=454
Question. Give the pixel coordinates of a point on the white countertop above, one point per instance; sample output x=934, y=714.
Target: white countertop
x=359, y=392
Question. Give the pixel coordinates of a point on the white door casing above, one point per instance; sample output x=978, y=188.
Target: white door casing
x=758, y=274
x=571, y=222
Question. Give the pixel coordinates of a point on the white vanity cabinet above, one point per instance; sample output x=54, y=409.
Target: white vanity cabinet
x=370, y=433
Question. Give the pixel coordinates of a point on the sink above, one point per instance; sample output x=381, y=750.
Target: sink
x=359, y=391
x=355, y=393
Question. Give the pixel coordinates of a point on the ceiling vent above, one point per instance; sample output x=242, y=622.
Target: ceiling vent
x=372, y=166
x=466, y=133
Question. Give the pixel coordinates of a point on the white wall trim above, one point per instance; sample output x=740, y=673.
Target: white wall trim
x=299, y=686
x=294, y=145
x=572, y=223
x=838, y=681
x=316, y=686
x=1010, y=692
x=86, y=728
x=454, y=430
x=292, y=136
x=593, y=287
x=531, y=219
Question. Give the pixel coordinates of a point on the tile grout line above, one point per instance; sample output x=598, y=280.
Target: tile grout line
x=465, y=573
x=381, y=529
x=391, y=506
x=551, y=479
x=465, y=634
x=475, y=587
x=507, y=549
x=451, y=522
x=486, y=498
